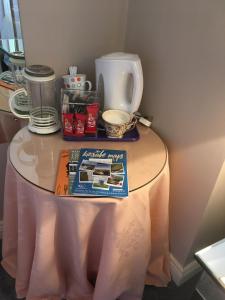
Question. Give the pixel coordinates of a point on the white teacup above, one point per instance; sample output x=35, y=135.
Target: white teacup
x=77, y=82
x=117, y=122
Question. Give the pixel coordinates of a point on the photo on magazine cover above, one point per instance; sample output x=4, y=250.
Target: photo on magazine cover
x=102, y=169
x=87, y=165
x=115, y=180
x=117, y=168
x=100, y=184
x=85, y=176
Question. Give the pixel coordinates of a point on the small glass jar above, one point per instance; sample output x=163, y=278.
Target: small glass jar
x=17, y=64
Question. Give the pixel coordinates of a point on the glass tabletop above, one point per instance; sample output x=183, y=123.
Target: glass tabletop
x=35, y=157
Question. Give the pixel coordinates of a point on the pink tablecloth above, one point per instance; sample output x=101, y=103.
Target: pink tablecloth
x=83, y=248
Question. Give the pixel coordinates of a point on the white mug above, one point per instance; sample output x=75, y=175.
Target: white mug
x=76, y=82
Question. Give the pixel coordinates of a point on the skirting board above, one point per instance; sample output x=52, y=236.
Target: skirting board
x=1, y=229
x=181, y=274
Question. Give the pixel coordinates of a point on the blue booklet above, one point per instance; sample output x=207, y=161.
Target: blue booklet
x=101, y=172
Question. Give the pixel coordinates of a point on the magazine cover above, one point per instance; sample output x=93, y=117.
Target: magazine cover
x=67, y=169
x=101, y=172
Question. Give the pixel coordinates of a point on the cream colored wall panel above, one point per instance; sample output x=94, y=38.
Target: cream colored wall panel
x=182, y=47
x=60, y=33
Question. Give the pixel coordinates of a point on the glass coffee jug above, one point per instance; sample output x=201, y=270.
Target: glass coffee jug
x=37, y=100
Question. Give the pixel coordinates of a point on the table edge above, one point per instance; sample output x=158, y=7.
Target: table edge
x=130, y=191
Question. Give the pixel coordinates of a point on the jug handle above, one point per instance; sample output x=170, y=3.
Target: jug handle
x=136, y=71
x=12, y=103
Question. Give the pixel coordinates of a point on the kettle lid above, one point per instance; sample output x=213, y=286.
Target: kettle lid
x=120, y=56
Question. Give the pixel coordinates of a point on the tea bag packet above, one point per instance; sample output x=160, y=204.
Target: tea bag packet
x=92, y=116
x=68, y=123
x=79, y=124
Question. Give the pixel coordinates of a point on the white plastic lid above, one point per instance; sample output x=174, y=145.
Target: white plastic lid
x=120, y=56
x=39, y=73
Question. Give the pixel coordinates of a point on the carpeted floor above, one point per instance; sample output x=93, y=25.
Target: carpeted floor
x=172, y=292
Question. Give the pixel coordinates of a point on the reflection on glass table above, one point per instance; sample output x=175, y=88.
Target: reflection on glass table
x=12, y=47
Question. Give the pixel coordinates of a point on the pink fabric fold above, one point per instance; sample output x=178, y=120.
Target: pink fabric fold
x=82, y=248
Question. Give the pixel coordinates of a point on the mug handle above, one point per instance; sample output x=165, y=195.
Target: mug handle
x=132, y=123
x=89, y=84
x=12, y=104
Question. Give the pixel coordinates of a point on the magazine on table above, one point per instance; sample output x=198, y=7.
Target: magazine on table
x=101, y=172
x=66, y=172
x=92, y=172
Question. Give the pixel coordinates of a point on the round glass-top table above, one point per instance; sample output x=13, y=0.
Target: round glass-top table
x=80, y=247
x=35, y=157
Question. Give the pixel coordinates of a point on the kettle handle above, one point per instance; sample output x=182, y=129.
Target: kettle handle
x=136, y=71
x=13, y=105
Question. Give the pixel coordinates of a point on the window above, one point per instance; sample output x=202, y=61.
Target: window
x=10, y=28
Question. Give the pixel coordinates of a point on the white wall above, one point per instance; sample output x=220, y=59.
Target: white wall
x=60, y=33
x=212, y=227
x=182, y=47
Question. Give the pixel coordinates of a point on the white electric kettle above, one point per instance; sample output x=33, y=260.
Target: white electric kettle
x=119, y=80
